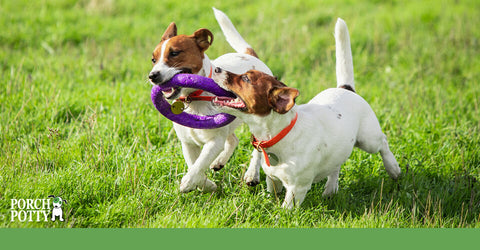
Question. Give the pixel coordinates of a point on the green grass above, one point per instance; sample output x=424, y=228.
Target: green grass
x=76, y=118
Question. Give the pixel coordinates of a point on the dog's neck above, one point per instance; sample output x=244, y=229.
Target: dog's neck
x=207, y=67
x=266, y=127
x=201, y=107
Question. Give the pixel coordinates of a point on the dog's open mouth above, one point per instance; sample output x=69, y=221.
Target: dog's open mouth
x=235, y=103
x=171, y=93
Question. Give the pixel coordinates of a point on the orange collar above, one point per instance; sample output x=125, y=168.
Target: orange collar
x=261, y=145
x=195, y=96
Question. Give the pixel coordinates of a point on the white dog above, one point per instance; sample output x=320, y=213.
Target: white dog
x=202, y=148
x=301, y=145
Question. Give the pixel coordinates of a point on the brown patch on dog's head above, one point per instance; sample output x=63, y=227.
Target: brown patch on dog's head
x=260, y=93
x=182, y=52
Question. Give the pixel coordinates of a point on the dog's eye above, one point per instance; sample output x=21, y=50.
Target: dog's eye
x=174, y=53
x=246, y=79
x=154, y=60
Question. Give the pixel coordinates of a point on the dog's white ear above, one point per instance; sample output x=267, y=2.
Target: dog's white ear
x=204, y=38
x=170, y=32
x=282, y=99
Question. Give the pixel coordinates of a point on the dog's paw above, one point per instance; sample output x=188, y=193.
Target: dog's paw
x=192, y=181
x=252, y=181
x=326, y=194
x=185, y=187
x=287, y=205
x=208, y=186
x=329, y=192
x=395, y=171
x=217, y=167
x=187, y=184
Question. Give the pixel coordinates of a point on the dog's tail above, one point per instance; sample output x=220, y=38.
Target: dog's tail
x=231, y=34
x=344, y=57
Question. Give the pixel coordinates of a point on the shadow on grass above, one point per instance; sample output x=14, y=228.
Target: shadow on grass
x=419, y=198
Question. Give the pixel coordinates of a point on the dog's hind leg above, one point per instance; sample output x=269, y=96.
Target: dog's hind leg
x=371, y=139
x=389, y=160
x=331, y=187
x=230, y=145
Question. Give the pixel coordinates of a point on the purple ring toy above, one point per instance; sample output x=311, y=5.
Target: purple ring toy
x=190, y=120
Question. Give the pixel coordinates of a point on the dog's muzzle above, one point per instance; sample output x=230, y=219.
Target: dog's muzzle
x=155, y=77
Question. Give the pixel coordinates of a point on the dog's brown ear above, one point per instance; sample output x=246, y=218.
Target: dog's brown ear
x=282, y=99
x=204, y=38
x=170, y=32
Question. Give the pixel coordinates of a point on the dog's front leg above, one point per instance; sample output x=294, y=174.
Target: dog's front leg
x=252, y=176
x=230, y=145
x=196, y=176
x=190, y=153
x=294, y=196
x=274, y=186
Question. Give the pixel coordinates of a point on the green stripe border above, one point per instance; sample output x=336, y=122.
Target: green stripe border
x=241, y=238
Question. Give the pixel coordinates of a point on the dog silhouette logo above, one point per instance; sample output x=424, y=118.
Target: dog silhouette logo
x=57, y=207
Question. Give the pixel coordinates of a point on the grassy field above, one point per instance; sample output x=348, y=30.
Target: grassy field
x=76, y=118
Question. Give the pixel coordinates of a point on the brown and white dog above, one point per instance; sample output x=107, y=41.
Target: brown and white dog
x=301, y=145
x=202, y=148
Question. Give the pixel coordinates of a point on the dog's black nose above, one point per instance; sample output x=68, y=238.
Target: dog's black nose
x=155, y=76
x=218, y=70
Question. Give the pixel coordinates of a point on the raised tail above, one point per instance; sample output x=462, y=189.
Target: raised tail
x=231, y=34
x=344, y=65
